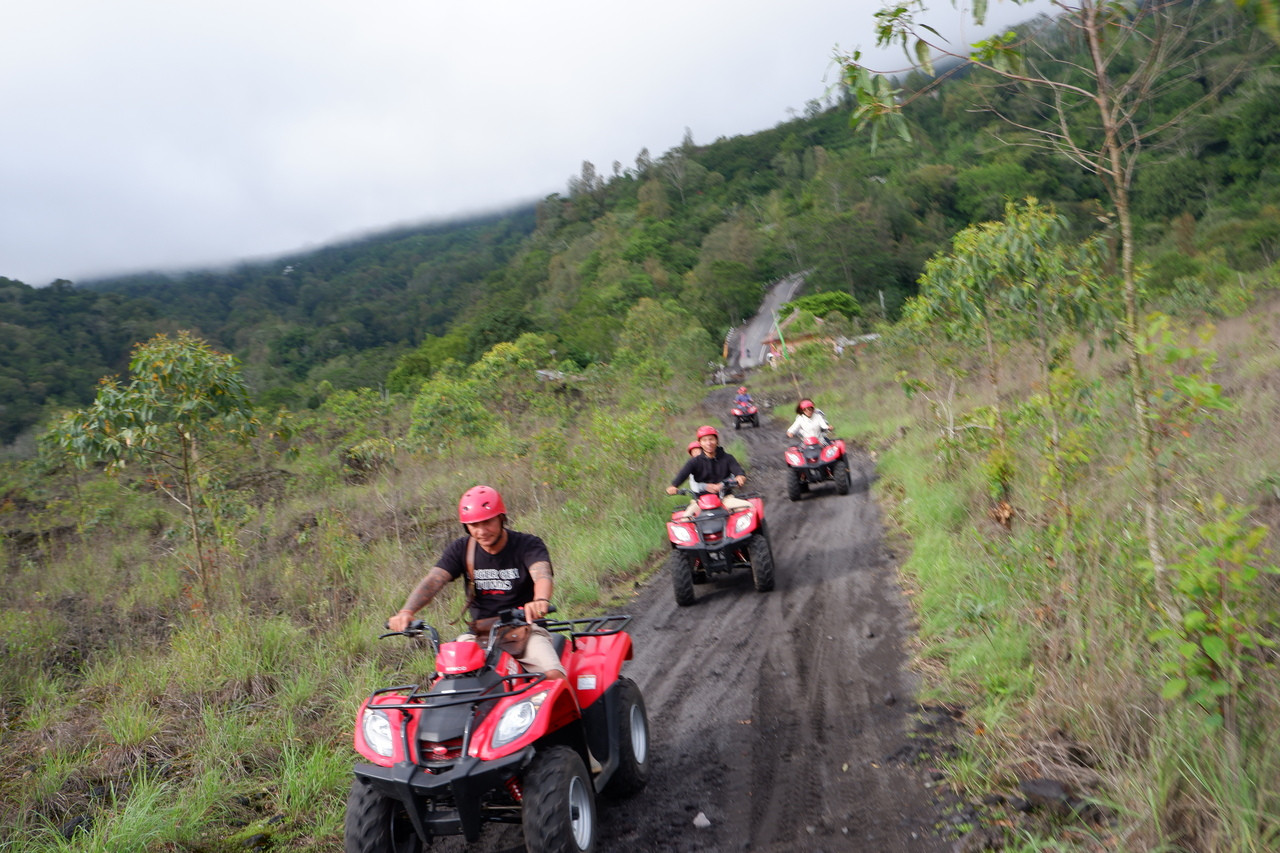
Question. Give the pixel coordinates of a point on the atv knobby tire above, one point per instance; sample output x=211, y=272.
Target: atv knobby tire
x=633, y=742
x=840, y=472
x=793, y=484
x=680, y=564
x=761, y=560
x=376, y=823
x=559, y=803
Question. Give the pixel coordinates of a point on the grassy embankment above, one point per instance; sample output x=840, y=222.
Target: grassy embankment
x=1044, y=630
x=132, y=721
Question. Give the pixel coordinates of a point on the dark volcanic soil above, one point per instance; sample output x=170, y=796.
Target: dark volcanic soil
x=778, y=715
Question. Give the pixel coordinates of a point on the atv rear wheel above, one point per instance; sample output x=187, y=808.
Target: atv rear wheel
x=793, y=484
x=633, y=742
x=755, y=420
x=840, y=473
x=761, y=560
x=559, y=803
x=680, y=564
x=376, y=823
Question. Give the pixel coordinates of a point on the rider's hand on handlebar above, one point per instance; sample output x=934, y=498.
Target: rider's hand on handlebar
x=671, y=490
x=536, y=609
x=742, y=481
x=400, y=621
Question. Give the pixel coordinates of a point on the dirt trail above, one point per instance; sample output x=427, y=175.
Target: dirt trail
x=775, y=714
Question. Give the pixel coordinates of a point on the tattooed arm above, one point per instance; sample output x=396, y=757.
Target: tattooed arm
x=434, y=581
x=543, y=586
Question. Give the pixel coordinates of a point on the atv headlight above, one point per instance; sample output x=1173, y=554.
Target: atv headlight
x=742, y=522
x=516, y=720
x=376, y=727
x=679, y=532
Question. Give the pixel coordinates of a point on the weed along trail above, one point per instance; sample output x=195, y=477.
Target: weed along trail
x=774, y=715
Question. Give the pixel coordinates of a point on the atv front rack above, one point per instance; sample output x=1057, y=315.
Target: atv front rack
x=599, y=626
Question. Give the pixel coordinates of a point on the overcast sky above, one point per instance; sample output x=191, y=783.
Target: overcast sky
x=173, y=134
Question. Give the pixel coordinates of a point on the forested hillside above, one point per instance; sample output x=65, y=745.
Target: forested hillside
x=707, y=225
x=1075, y=446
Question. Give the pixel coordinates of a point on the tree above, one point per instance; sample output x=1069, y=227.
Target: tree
x=1102, y=71
x=183, y=397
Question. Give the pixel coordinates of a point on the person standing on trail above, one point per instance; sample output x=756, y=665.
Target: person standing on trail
x=503, y=569
x=809, y=423
x=711, y=468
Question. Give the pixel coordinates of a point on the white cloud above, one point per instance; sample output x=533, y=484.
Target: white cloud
x=146, y=134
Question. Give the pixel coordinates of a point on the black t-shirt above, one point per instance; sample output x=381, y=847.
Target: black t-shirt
x=502, y=579
x=709, y=470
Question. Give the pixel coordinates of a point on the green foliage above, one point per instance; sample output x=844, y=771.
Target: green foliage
x=1222, y=623
x=184, y=397
x=823, y=304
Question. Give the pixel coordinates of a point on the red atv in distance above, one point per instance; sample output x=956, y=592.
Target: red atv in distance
x=718, y=541
x=484, y=741
x=745, y=413
x=811, y=462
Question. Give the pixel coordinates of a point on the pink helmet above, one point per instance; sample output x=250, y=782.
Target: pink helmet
x=693, y=445
x=803, y=404
x=707, y=430
x=742, y=389
x=480, y=503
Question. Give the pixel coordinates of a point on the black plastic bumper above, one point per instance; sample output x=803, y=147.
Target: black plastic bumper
x=448, y=803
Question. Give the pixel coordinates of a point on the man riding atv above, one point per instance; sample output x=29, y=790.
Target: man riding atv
x=504, y=568
x=711, y=467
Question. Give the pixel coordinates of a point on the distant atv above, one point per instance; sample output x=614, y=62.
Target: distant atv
x=718, y=541
x=811, y=462
x=745, y=413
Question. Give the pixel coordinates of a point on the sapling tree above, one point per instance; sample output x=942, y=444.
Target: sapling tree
x=1100, y=71
x=182, y=397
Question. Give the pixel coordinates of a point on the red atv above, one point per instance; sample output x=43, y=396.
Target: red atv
x=745, y=413
x=811, y=462
x=717, y=541
x=484, y=741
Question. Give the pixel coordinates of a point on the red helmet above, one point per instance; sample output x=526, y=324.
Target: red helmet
x=693, y=445
x=802, y=405
x=480, y=503
x=707, y=430
x=742, y=389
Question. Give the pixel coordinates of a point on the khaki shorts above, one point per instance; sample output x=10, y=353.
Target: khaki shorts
x=539, y=655
x=731, y=503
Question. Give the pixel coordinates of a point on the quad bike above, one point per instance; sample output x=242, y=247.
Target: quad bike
x=745, y=413
x=811, y=462
x=484, y=741
x=718, y=541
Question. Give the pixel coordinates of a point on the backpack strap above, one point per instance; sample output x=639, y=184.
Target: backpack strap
x=470, y=581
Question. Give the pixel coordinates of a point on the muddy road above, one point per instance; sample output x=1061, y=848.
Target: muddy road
x=777, y=715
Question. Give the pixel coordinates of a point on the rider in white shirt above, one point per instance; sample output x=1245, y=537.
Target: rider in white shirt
x=809, y=422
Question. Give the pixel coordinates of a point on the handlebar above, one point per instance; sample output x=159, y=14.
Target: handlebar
x=512, y=616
